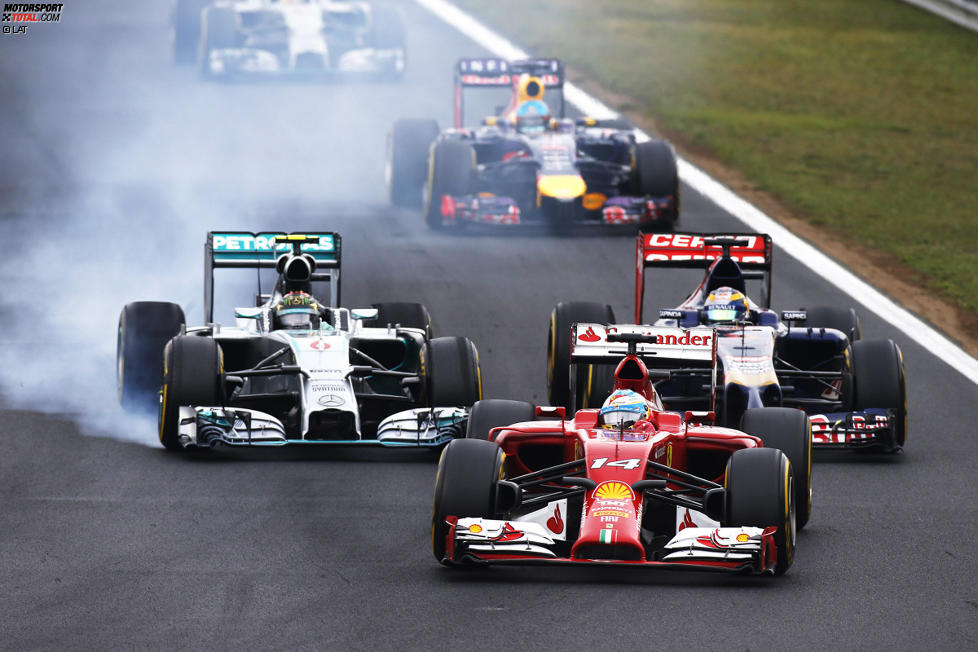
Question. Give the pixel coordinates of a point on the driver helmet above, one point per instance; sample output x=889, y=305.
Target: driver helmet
x=623, y=409
x=725, y=305
x=532, y=117
x=296, y=311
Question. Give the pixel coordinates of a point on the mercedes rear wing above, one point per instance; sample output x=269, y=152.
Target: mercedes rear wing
x=246, y=250
x=487, y=72
x=751, y=251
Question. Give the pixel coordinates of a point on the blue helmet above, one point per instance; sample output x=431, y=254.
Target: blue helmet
x=725, y=305
x=532, y=117
x=623, y=409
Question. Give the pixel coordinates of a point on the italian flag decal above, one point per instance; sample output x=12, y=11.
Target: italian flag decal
x=607, y=536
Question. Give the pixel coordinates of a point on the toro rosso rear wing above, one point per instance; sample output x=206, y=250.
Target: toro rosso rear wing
x=500, y=73
x=668, y=350
x=246, y=250
x=751, y=251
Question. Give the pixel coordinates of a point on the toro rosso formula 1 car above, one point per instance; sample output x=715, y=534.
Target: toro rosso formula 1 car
x=293, y=369
x=254, y=38
x=734, y=354
x=530, y=486
x=527, y=165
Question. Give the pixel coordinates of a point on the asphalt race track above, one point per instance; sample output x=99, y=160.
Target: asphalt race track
x=115, y=164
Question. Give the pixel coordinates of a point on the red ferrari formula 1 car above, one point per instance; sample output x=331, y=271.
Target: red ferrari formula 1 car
x=664, y=490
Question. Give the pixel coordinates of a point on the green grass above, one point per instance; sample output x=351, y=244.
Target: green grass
x=860, y=115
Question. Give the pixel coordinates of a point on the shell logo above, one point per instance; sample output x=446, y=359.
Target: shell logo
x=743, y=538
x=614, y=491
x=475, y=528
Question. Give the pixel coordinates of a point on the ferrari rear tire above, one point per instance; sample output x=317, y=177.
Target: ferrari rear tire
x=562, y=318
x=841, y=319
x=881, y=381
x=465, y=487
x=451, y=172
x=408, y=148
x=144, y=329
x=595, y=384
x=193, y=368
x=454, y=378
x=218, y=29
x=408, y=315
x=760, y=493
x=495, y=413
x=790, y=431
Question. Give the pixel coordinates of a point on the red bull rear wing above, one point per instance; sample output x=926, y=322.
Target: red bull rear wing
x=489, y=72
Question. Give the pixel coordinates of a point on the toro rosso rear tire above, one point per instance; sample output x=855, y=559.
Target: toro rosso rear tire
x=881, y=382
x=408, y=147
x=453, y=374
x=193, y=369
x=790, y=431
x=408, y=315
x=760, y=493
x=465, y=487
x=144, y=329
x=563, y=317
x=841, y=319
x=495, y=413
x=451, y=172
x=657, y=175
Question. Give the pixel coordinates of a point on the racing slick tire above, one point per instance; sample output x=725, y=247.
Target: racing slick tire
x=454, y=378
x=408, y=147
x=790, y=431
x=451, y=173
x=218, y=29
x=841, y=319
x=193, y=369
x=185, y=19
x=760, y=494
x=564, y=315
x=497, y=412
x=408, y=315
x=465, y=486
x=657, y=175
x=387, y=33
x=144, y=329
x=881, y=381
x=595, y=384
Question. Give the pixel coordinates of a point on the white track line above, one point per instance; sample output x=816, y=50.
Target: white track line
x=823, y=266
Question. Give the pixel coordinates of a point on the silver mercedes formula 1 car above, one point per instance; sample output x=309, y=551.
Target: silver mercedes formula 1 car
x=270, y=38
x=294, y=369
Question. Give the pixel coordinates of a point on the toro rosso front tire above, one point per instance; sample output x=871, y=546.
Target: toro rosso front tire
x=790, y=431
x=465, y=487
x=193, y=369
x=881, y=382
x=144, y=329
x=760, y=493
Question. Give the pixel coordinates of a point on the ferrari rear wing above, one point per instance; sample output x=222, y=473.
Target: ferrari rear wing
x=751, y=251
x=487, y=72
x=246, y=250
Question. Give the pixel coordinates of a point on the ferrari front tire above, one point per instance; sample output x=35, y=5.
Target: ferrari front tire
x=760, y=493
x=465, y=487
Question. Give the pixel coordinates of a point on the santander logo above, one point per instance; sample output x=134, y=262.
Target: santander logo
x=555, y=523
x=589, y=335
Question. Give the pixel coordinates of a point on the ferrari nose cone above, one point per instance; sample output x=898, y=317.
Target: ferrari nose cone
x=561, y=186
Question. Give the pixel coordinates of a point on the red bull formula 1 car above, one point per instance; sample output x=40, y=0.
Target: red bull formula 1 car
x=530, y=486
x=527, y=164
x=853, y=390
